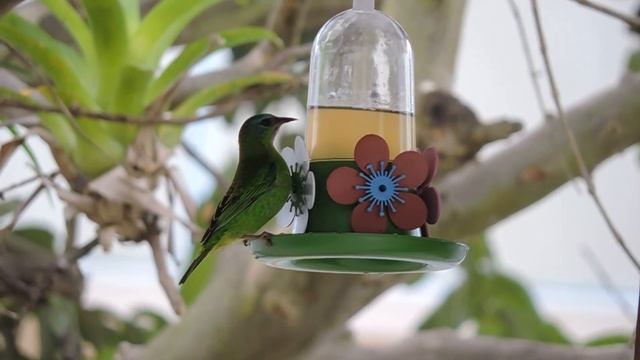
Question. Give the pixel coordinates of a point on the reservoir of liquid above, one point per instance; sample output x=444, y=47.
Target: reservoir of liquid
x=332, y=132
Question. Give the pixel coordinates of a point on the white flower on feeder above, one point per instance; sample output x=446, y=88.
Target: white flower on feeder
x=303, y=188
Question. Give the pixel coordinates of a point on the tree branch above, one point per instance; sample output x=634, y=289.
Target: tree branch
x=274, y=308
x=481, y=194
x=446, y=345
x=633, y=22
x=167, y=283
x=573, y=143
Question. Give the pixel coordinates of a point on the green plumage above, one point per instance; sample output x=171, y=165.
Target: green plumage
x=259, y=189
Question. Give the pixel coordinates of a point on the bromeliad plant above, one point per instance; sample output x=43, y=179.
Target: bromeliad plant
x=103, y=100
x=115, y=67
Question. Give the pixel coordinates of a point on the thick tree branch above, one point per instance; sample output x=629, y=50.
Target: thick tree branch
x=573, y=143
x=446, y=345
x=284, y=310
x=480, y=194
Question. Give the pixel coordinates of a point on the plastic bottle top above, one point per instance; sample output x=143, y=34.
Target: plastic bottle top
x=364, y=5
x=362, y=58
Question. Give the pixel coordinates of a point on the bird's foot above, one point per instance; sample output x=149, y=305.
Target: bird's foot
x=266, y=236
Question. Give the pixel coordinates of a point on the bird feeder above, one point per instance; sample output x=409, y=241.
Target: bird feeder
x=371, y=194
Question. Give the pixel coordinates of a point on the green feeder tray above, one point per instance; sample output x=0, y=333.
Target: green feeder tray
x=357, y=253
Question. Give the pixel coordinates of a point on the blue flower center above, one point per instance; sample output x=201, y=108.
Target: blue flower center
x=381, y=188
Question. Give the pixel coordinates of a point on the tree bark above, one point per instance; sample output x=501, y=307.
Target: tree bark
x=249, y=308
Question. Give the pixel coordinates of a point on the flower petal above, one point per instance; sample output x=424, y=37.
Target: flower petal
x=412, y=167
x=285, y=216
x=431, y=198
x=371, y=149
x=302, y=156
x=411, y=214
x=341, y=185
x=300, y=223
x=289, y=157
x=431, y=154
x=364, y=221
x=310, y=195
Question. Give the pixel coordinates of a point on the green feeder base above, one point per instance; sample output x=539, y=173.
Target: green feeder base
x=357, y=253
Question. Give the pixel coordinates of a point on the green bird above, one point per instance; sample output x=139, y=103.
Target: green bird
x=259, y=189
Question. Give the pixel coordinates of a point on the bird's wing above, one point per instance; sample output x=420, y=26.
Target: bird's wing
x=240, y=196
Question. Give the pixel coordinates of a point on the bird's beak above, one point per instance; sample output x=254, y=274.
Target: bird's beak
x=283, y=120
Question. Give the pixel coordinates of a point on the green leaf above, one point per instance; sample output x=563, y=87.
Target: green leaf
x=7, y=207
x=248, y=34
x=498, y=304
x=75, y=25
x=129, y=99
x=634, y=62
x=161, y=27
x=27, y=149
x=43, y=238
x=60, y=62
x=217, y=92
x=109, y=29
x=61, y=129
x=132, y=14
x=197, y=49
x=59, y=328
x=607, y=340
x=98, y=151
x=178, y=68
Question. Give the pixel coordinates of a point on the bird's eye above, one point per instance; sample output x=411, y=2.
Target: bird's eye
x=265, y=122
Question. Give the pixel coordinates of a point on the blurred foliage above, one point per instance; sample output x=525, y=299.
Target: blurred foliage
x=610, y=340
x=634, y=62
x=114, y=67
x=498, y=304
x=35, y=235
x=65, y=327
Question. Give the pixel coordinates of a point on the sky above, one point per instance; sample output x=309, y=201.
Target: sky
x=542, y=245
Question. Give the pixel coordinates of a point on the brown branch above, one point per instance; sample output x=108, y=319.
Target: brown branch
x=4, y=232
x=222, y=108
x=166, y=281
x=26, y=121
x=526, y=49
x=97, y=115
x=584, y=171
x=632, y=21
x=85, y=250
x=535, y=80
x=26, y=182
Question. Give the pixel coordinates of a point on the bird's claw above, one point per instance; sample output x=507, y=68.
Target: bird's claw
x=266, y=236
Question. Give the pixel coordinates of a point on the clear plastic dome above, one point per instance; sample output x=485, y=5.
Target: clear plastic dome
x=360, y=82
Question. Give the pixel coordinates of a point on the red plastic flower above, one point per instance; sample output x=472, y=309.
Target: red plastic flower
x=427, y=192
x=381, y=187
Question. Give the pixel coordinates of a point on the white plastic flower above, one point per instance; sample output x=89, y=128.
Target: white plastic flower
x=303, y=188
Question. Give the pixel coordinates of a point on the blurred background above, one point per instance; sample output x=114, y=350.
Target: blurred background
x=562, y=277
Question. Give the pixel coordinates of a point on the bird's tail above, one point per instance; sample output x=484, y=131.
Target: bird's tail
x=203, y=254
